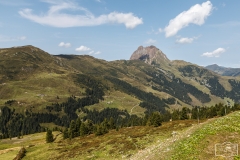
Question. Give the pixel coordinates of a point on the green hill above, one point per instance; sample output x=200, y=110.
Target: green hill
x=190, y=141
x=37, y=88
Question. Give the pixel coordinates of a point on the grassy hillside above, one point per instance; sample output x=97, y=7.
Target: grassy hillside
x=33, y=77
x=114, y=145
x=58, y=89
x=191, y=141
x=45, y=91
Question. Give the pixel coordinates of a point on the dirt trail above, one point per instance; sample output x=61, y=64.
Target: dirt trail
x=133, y=108
x=9, y=149
x=162, y=148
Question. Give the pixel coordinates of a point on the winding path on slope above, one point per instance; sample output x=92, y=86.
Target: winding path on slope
x=162, y=149
x=133, y=108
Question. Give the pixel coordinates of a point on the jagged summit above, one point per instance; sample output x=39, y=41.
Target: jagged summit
x=150, y=55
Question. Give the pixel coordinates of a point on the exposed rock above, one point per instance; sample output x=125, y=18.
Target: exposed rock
x=150, y=55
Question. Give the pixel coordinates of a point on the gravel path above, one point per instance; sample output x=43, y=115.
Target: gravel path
x=162, y=149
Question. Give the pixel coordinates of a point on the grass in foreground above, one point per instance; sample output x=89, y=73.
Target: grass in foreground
x=114, y=145
x=201, y=144
x=198, y=142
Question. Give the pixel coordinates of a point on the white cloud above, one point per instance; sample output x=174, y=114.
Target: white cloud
x=160, y=30
x=85, y=49
x=185, y=40
x=82, y=49
x=98, y=52
x=215, y=53
x=66, y=45
x=55, y=16
x=8, y=39
x=150, y=41
x=195, y=15
x=22, y=38
x=91, y=52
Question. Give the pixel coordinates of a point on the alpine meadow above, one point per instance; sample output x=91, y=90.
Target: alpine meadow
x=97, y=79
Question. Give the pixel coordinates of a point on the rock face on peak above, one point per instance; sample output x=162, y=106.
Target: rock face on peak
x=150, y=55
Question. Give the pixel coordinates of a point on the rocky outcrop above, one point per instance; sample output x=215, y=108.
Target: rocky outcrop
x=150, y=55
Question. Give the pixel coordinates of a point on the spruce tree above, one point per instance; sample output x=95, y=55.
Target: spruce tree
x=65, y=133
x=184, y=114
x=98, y=130
x=72, y=129
x=49, y=136
x=83, y=129
x=112, y=123
x=157, y=119
x=77, y=127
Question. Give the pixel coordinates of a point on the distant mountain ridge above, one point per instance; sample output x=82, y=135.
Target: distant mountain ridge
x=29, y=74
x=224, y=71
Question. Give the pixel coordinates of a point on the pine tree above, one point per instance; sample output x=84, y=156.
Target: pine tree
x=65, y=133
x=90, y=126
x=98, y=130
x=72, y=129
x=49, y=136
x=83, y=129
x=112, y=123
x=175, y=115
x=184, y=114
x=77, y=127
x=157, y=119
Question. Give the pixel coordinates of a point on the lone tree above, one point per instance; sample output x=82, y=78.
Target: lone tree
x=49, y=136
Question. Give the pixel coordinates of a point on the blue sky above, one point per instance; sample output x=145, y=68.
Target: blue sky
x=198, y=31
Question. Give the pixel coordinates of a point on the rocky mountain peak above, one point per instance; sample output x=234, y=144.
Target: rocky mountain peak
x=150, y=55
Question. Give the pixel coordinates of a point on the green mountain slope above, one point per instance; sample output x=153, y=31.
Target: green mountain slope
x=58, y=89
x=39, y=91
x=29, y=70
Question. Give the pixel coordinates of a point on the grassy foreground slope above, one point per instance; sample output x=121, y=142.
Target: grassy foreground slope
x=192, y=141
x=201, y=144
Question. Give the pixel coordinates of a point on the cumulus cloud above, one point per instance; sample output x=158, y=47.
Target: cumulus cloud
x=150, y=41
x=55, y=16
x=215, y=53
x=82, y=49
x=197, y=14
x=185, y=40
x=66, y=45
x=86, y=49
